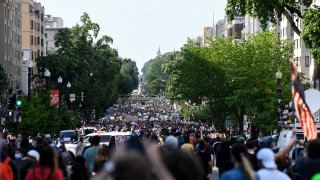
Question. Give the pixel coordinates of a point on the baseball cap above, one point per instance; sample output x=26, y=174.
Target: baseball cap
x=266, y=155
x=35, y=154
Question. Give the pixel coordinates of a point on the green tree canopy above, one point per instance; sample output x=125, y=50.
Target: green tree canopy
x=267, y=10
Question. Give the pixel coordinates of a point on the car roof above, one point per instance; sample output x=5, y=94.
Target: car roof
x=68, y=131
x=111, y=134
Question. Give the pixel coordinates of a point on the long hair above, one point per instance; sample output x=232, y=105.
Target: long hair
x=239, y=152
x=49, y=158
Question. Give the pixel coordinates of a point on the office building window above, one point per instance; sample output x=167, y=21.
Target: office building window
x=38, y=53
x=31, y=40
x=45, y=35
x=38, y=40
x=307, y=61
x=41, y=42
x=32, y=55
x=31, y=25
x=38, y=27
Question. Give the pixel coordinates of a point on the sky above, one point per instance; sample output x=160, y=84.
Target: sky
x=140, y=27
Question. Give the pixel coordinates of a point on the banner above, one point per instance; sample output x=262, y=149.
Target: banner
x=54, y=101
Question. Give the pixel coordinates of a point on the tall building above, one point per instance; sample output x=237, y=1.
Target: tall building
x=10, y=41
x=234, y=27
x=32, y=31
x=51, y=28
x=208, y=33
x=220, y=28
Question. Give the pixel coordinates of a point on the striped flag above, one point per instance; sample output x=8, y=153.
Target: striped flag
x=303, y=112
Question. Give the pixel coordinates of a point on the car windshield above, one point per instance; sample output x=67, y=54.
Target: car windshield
x=88, y=131
x=67, y=133
x=103, y=139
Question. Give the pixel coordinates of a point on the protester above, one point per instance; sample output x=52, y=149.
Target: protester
x=80, y=147
x=205, y=159
x=266, y=160
x=91, y=153
x=79, y=169
x=298, y=150
x=307, y=167
x=187, y=147
x=8, y=169
x=48, y=166
x=242, y=169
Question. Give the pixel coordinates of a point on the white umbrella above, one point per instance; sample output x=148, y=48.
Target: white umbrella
x=312, y=97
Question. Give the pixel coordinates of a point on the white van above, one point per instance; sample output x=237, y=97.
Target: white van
x=106, y=136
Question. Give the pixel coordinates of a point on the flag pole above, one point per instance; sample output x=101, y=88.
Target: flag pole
x=292, y=108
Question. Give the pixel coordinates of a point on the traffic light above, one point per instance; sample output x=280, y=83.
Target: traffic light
x=279, y=92
x=19, y=102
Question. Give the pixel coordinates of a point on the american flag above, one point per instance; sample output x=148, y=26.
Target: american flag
x=303, y=112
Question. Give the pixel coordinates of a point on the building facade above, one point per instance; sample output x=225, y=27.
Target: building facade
x=10, y=41
x=51, y=28
x=32, y=32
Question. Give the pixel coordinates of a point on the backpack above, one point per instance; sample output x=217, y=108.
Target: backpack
x=5, y=170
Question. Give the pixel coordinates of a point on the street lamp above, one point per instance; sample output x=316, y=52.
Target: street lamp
x=59, y=82
x=69, y=87
x=279, y=77
x=91, y=74
x=30, y=64
x=279, y=96
x=47, y=75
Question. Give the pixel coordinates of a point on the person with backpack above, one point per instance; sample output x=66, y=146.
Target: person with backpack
x=8, y=169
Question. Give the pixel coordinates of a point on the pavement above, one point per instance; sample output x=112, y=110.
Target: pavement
x=215, y=174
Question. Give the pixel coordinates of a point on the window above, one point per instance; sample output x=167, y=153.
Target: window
x=32, y=55
x=31, y=40
x=41, y=42
x=307, y=61
x=38, y=27
x=38, y=40
x=38, y=53
x=31, y=25
x=279, y=35
x=45, y=35
x=297, y=43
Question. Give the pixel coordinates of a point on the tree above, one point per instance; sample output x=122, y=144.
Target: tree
x=155, y=76
x=128, y=78
x=91, y=65
x=234, y=77
x=42, y=118
x=268, y=10
x=311, y=30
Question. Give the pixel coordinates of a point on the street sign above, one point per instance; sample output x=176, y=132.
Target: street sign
x=72, y=97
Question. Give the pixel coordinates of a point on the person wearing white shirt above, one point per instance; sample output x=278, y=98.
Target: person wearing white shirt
x=269, y=170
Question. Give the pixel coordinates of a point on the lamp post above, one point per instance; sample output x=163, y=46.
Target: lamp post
x=279, y=95
x=47, y=74
x=59, y=82
x=30, y=64
x=69, y=88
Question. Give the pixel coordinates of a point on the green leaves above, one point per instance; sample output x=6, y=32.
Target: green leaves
x=311, y=30
x=231, y=76
x=90, y=65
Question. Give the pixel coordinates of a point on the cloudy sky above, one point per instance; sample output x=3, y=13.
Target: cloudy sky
x=140, y=27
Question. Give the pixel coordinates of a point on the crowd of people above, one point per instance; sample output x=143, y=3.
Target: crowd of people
x=160, y=150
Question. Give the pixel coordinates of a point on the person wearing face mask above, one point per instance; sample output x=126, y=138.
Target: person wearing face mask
x=22, y=162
